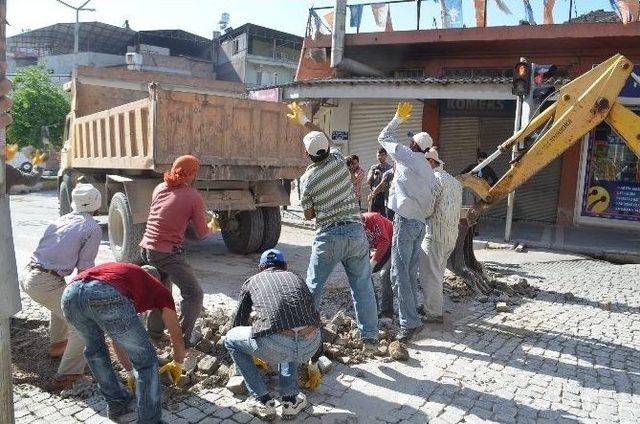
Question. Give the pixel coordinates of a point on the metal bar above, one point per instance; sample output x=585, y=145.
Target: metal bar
x=366, y=4
x=570, y=7
x=514, y=151
x=418, y=4
x=485, y=13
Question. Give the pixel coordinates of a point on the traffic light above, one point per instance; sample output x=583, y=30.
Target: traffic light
x=521, y=79
x=541, y=86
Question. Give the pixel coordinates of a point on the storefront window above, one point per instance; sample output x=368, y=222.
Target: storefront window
x=612, y=178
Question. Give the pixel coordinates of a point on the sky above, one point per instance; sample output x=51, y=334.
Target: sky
x=201, y=16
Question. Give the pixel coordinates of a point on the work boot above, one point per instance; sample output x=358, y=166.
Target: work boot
x=406, y=334
x=117, y=408
x=370, y=346
x=66, y=381
x=432, y=319
x=56, y=350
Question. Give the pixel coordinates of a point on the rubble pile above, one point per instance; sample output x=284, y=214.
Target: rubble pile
x=506, y=289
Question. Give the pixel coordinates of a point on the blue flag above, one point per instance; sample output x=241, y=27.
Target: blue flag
x=355, y=16
x=528, y=12
x=451, y=13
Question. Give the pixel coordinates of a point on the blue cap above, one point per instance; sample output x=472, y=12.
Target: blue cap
x=272, y=257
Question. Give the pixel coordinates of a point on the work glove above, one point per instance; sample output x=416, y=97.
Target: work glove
x=175, y=371
x=131, y=382
x=213, y=224
x=38, y=158
x=314, y=377
x=10, y=151
x=297, y=114
x=403, y=112
x=260, y=363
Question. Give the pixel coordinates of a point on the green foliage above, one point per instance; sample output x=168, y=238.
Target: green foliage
x=37, y=102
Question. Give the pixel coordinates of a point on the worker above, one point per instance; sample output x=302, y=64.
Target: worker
x=104, y=301
x=69, y=243
x=440, y=238
x=175, y=204
x=379, y=232
x=411, y=199
x=377, y=202
x=357, y=175
x=285, y=332
x=384, y=187
x=327, y=196
x=487, y=172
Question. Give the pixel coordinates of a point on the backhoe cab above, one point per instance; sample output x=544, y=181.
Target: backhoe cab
x=582, y=104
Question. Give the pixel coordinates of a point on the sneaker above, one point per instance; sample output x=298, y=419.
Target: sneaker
x=291, y=409
x=56, y=350
x=406, y=334
x=66, y=381
x=117, y=408
x=370, y=346
x=264, y=411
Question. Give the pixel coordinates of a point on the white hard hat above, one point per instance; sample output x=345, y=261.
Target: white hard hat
x=85, y=198
x=314, y=142
x=433, y=154
x=423, y=140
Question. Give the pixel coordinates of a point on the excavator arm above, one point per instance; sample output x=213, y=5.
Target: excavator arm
x=582, y=104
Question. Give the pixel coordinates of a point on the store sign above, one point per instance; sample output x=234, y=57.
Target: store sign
x=474, y=107
x=612, y=181
x=268, y=95
x=339, y=135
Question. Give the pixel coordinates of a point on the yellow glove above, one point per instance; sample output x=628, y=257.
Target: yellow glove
x=260, y=363
x=213, y=225
x=131, y=383
x=38, y=158
x=174, y=369
x=403, y=112
x=10, y=151
x=313, y=376
x=297, y=114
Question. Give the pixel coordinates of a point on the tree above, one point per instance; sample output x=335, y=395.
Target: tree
x=37, y=102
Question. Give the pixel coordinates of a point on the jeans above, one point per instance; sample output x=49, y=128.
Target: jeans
x=405, y=253
x=174, y=266
x=386, y=290
x=279, y=349
x=348, y=245
x=46, y=289
x=97, y=309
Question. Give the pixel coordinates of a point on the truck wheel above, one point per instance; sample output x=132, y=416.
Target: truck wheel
x=26, y=167
x=64, y=199
x=124, y=235
x=243, y=232
x=272, y=228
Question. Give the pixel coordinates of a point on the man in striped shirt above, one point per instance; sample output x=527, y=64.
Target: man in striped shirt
x=285, y=331
x=327, y=196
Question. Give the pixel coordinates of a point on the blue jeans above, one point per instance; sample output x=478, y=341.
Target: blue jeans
x=346, y=244
x=97, y=309
x=405, y=254
x=279, y=349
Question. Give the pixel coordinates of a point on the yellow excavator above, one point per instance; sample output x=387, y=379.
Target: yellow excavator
x=581, y=105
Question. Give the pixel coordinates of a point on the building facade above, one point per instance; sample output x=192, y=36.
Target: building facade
x=256, y=56
x=460, y=83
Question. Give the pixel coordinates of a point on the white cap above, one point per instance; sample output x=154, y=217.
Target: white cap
x=423, y=140
x=314, y=142
x=433, y=154
x=85, y=198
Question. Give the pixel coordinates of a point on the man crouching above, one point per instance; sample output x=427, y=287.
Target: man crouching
x=285, y=332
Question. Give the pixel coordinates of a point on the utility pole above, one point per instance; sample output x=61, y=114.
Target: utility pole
x=76, y=31
x=10, y=299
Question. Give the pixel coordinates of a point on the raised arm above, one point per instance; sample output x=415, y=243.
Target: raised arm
x=386, y=137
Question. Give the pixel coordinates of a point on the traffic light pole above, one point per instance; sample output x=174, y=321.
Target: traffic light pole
x=10, y=299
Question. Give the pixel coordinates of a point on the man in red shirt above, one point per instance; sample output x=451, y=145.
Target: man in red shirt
x=105, y=301
x=175, y=204
x=379, y=231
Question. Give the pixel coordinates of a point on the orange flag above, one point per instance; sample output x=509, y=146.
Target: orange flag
x=480, y=6
x=329, y=18
x=548, y=11
x=629, y=10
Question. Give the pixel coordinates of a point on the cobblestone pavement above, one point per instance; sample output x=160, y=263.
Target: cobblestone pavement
x=570, y=355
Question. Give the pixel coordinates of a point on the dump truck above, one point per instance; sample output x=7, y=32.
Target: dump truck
x=126, y=128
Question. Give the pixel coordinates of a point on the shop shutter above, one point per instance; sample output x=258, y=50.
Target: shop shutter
x=458, y=142
x=537, y=199
x=367, y=120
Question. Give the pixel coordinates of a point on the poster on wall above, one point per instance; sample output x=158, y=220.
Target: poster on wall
x=612, y=179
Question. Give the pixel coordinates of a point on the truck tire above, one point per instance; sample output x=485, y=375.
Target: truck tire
x=243, y=232
x=272, y=227
x=124, y=235
x=64, y=199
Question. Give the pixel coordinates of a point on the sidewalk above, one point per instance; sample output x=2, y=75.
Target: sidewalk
x=601, y=243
